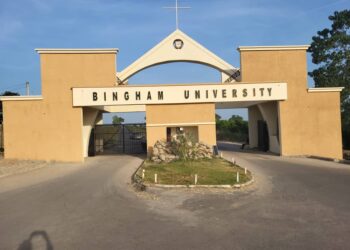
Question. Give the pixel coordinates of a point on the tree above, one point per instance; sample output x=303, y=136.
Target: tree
x=117, y=119
x=233, y=129
x=6, y=93
x=330, y=49
x=238, y=124
x=9, y=93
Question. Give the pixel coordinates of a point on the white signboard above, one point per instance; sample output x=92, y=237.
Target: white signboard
x=174, y=94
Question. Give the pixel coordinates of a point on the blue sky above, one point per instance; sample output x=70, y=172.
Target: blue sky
x=136, y=26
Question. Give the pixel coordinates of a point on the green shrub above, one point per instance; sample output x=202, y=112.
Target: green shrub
x=182, y=145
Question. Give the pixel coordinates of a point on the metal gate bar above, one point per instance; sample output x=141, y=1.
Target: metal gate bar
x=120, y=138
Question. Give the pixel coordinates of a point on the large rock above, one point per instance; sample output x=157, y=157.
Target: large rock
x=155, y=151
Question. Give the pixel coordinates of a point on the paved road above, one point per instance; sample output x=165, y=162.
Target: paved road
x=294, y=204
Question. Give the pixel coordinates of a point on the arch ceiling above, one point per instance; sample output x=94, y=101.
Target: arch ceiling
x=190, y=51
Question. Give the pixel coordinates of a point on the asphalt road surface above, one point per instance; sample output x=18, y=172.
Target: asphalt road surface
x=295, y=203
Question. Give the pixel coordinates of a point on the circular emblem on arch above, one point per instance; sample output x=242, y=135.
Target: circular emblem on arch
x=178, y=44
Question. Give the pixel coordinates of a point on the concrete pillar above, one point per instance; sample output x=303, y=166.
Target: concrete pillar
x=269, y=111
x=89, y=120
x=253, y=116
x=99, y=119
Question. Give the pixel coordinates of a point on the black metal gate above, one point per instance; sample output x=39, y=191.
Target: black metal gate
x=119, y=138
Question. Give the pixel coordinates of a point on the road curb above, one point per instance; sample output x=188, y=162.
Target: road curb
x=137, y=181
x=235, y=186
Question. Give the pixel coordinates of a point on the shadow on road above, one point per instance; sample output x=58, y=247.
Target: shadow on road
x=236, y=147
x=37, y=240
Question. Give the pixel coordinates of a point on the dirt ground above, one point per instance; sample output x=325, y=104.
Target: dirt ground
x=10, y=167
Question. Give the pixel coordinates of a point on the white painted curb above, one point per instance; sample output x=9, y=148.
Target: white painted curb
x=202, y=186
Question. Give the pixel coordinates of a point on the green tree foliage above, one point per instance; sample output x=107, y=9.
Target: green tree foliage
x=330, y=49
x=6, y=93
x=117, y=119
x=233, y=129
x=9, y=93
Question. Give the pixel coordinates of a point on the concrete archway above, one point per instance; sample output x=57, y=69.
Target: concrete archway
x=267, y=112
x=179, y=47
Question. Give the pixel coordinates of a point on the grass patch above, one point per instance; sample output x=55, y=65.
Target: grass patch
x=215, y=171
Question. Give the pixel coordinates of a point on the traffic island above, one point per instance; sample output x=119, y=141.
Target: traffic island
x=215, y=172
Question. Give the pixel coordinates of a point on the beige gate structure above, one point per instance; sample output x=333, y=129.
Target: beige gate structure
x=78, y=85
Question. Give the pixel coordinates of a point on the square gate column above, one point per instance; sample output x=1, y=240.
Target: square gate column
x=161, y=117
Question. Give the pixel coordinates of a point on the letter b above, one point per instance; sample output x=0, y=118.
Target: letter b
x=94, y=96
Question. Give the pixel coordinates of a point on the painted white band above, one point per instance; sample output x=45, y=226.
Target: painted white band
x=20, y=98
x=179, y=124
x=269, y=48
x=77, y=51
x=330, y=89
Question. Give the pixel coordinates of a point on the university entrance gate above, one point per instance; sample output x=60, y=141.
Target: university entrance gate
x=118, y=139
x=79, y=85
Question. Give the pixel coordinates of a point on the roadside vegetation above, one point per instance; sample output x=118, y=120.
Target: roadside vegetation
x=234, y=129
x=137, y=128
x=330, y=51
x=117, y=120
x=5, y=93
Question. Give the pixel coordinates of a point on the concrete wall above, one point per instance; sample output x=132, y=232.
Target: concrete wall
x=319, y=130
x=153, y=135
x=90, y=118
x=51, y=129
x=207, y=134
x=309, y=123
x=159, y=117
x=187, y=130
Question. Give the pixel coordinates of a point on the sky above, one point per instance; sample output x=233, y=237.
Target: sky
x=136, y=26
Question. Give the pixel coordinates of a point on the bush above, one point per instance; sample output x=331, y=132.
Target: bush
x=182, y=146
